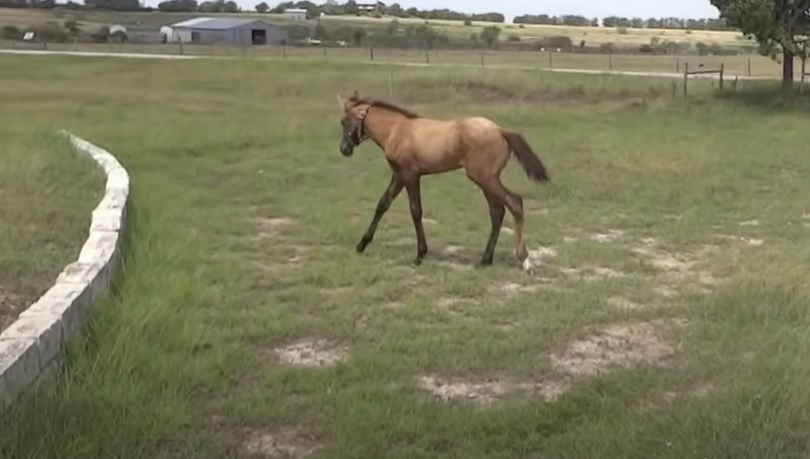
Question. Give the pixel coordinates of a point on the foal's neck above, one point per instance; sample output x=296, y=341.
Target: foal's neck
x=380, y=124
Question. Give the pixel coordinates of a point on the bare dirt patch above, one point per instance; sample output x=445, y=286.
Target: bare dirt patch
x=279, y=445
x=311, y=353
x=593, y=273
x=607, y=236
x=680, y=268
x=618, y=345
x=541, y=253
x=271, y=227
x=452, y=301
x=488, y=391
x=624, y=304
x=453, y=249
x=483, y=392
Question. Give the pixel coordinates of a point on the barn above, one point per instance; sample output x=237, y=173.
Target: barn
x=226, y=31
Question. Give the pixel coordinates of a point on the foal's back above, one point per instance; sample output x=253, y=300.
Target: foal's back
x=440, y=145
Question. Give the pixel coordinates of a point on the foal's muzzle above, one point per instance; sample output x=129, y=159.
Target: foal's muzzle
x=349, y=141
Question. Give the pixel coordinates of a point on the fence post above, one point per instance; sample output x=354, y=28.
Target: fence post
x=804, y=72
x=324, y=51
x=610, y=60
x=550, y=59
x=685, y=80
x=722, y=72
x=371, y=53
x=749, y=66
x=391, y=82
x=734, y=85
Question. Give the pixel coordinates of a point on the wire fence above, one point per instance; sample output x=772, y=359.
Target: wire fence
x=739, y=65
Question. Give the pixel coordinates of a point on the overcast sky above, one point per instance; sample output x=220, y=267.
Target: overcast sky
x=589, y=8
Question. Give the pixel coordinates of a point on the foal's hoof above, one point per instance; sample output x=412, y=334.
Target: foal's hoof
x=528, y=267
x=416, y=262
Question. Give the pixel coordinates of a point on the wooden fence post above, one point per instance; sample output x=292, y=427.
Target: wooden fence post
x=685, y=80
x=722, y=72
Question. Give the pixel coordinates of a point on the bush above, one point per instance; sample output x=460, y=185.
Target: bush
x=467, y=22
x=560, y=41
x=51, y=32
x=513, y=37
x=11, y=32
x=622, y=30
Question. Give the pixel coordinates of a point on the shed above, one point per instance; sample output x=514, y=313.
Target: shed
x=295, y=14
x=232, y=31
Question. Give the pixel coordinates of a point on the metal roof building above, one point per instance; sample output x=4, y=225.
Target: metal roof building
x=224, y=30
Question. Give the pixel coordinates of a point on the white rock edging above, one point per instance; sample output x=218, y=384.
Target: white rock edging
x=31, y=348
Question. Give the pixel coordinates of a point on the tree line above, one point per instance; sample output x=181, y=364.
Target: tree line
x=351, y=7
x=572, y=20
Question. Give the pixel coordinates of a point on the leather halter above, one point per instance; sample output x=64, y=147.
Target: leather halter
x=360, y=130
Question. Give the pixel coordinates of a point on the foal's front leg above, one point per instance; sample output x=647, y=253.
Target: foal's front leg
x=415, y=199
x=393, y=190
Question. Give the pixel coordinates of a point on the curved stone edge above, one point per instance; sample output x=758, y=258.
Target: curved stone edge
x=31, y=348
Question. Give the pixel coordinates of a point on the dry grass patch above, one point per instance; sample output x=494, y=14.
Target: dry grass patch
x=311, y=353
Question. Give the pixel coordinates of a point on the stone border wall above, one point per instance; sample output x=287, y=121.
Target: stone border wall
x=31, y=349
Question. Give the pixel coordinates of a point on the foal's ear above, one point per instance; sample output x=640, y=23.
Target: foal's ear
x=355, y=96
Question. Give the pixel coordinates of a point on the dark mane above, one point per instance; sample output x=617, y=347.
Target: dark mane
x=356, y=100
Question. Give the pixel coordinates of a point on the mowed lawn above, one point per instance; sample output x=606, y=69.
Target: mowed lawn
x=668, y=316
x=46, y=196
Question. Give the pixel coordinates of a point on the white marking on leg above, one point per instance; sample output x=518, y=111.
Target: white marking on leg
x=527, y=265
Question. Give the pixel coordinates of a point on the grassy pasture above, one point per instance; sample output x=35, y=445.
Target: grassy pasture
x=454, y=29
x=669, y=243
x=46, y=196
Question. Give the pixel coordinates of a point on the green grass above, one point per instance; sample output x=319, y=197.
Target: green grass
x=179, y=363
x=46, y=196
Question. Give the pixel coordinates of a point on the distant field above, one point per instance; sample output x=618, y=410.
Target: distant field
x=454, y=29
x=741, y=65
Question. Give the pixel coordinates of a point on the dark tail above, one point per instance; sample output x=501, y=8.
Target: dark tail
x=534, y=168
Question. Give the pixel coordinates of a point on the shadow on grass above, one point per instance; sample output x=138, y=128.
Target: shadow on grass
x=769, y=97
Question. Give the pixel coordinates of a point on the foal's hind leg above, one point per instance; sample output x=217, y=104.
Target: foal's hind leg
x=496, y=214
x=514, y=202
x=415, y=198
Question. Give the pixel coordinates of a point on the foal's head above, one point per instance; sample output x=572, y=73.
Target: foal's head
x=354, y=115
x=355, y=109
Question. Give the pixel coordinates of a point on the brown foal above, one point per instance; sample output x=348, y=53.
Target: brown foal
x=415, y=146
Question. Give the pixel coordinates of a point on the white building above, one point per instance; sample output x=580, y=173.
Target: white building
x=173, y=36
x=295, y=14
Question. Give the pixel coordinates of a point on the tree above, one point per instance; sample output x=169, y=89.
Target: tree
x=490, y=34
x=775, y=24
x=262, y=7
